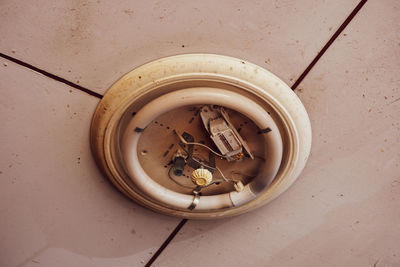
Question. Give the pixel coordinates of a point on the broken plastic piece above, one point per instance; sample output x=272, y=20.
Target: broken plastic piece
x=223, y=133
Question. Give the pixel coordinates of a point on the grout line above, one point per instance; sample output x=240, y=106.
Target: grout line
x=328, y=44
x=52, y=76
x=166, y=242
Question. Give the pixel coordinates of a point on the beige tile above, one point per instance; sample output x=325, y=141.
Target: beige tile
x=56, y=208
x=93, y=43
x=344, y=209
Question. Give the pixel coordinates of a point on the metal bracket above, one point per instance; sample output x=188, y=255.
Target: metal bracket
x=196, y=200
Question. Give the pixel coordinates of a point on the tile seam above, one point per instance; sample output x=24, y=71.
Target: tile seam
x=329, y=43
x=51, y=76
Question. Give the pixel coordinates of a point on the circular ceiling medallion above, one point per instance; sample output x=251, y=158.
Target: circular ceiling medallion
x=201, y=136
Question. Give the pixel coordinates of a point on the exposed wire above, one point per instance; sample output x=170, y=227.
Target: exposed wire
x=178, y=183
x=198, y=144
x=215, y=168
x=214, y=182
x=201, y=161
x=236, y=183
x=223, y=176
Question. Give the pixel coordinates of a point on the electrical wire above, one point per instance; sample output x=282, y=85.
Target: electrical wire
x=201, y=161
x=215, y=168
x=223, y=176
x=203, y=164
x=178, y=183
x=198, y=144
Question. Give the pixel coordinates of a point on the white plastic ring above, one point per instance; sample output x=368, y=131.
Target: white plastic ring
x=195, y=96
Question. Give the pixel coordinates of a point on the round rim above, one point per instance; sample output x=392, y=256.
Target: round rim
x=161, y=76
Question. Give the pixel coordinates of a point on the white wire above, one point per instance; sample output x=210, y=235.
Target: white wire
x=199, y=144
x=216, y=153
x=223, y=176
x=216, y=168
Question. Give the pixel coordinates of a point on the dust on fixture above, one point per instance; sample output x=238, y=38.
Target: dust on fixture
x=201, y=136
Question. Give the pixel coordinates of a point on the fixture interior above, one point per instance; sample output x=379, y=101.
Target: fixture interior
x=158, y=143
